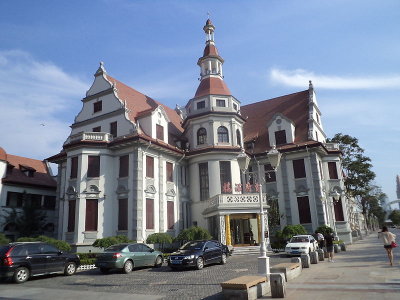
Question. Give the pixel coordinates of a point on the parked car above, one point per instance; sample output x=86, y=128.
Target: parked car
x=198, y=254
x=300, y=244
x=20, y=261
x=128, y=256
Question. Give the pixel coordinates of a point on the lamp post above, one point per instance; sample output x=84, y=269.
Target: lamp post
x=274, y=157
x=335, y=197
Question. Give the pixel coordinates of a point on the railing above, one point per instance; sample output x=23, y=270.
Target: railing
x=235, y=199
x=90, y=136
x=332, y=146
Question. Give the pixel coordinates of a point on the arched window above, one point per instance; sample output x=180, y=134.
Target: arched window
x=201, y=136
x=223, y=136
x=238, y=138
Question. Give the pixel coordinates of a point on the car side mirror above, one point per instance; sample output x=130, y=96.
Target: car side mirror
x=60, y=252
x=151, y=250
x=205, y=248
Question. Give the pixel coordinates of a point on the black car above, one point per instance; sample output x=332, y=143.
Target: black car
x=198, y=254
x=20, y=261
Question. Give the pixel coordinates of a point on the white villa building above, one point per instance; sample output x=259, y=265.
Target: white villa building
x=134, y=166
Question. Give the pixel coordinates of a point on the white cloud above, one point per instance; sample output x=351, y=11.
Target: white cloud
x=299, y=77
x=37, y=101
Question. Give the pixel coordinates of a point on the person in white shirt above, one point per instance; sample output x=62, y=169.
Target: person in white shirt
x=387, y=238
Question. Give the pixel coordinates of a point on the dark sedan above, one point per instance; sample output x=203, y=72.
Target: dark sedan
x=197, y=254
x=20, y=261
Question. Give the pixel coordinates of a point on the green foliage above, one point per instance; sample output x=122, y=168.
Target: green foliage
x=87, y=255
x=28, y=221
x=291, y=230
x=88, y=261
x=192, y=234
x=274, y=217
x=324, y=230
x=161, y=238
x=3, y=239
x=109, y=241
x=64, y=246
x=395, y=217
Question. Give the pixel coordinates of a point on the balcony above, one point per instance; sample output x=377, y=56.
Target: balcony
x=90, y=136
x=332, y=146
x=248, y=201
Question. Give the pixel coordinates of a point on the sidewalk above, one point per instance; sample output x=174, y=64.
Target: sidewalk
x=361, y=272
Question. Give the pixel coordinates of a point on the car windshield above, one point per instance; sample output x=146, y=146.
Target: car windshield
x=299, y=239
x=193, y=246
x=4, y=249
x=115, y=248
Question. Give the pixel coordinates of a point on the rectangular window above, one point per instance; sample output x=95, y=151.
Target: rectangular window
x=304, y=210
x=299, y=168
x=280, y=137
x=170, y=214
x=203, y=172
x=270, y=175
x=71, y=215
x=333, y=174
x=149, y=213
x=124, y=166
x=235, y=107
x=93, y=166
x=91, y=214
x=338, y=208
x=14, y=199
x=159, y=132
x=74, y=167
x=97, y=106
x=123, y=214
x=170, y=172
x=113, y=129
x=96, y=129
x=201, y=104
x=221, y=103
x=149, y=167
x=225, y=177
x=49, y=202
x=36, y=200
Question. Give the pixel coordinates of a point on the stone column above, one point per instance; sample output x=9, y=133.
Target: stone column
x=228, y=230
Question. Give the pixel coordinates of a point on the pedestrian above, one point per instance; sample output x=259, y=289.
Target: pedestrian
x=388, y=238
x=321, y=240
x=329, y=246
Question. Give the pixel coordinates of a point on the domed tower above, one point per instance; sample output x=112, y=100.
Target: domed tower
x=214, y=130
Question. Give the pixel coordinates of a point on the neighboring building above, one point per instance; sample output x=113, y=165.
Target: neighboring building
x=133, y=166
x=26, y=181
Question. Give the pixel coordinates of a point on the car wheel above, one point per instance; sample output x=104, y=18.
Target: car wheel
x=21, y=275
x=223, y=259
x=128, y=267
x=104, y=270
x=70, y=268
x=199, y=263
x=159, y=261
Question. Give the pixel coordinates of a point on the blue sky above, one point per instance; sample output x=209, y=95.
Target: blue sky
x=49, y=51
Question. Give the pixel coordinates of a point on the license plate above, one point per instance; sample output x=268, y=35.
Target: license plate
x=295, y=252
x=176, y=262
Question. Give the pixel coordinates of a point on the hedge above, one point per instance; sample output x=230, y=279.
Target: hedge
x=64, y=246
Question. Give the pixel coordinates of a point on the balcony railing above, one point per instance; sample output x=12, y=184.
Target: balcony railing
x=90, y=136
x=332, y=146
x=251, y=199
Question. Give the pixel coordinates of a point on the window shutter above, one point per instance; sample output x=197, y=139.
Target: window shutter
x=225, y=177
x=170, y=172
x=299, y=168
x=71, y=215
x=203, y=175
x=91, y=215
x=149, y=167
x=113, y=129
x=149, y=213
x=338, y=210
x=74, y=167
x=333, y=174
x=93, y=166
x=124, y=166
x=170, y=214
x=280, y=137
x=304, y=210
x=159, y=132
x=123, y=214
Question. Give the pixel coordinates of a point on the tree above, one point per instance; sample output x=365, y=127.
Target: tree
x=56, y=243
x=395, y=217
x=192, y=234
x=324, y=230
x=3, y=239
x=28, y=221
x=161, y=238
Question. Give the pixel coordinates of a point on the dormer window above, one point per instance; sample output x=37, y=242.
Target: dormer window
x=97, y=106
x=221, y=103
x=28, y=171
x=201, y=104
x=223, y=136
x=280, y=137
x=201, y=136
x=159, y=132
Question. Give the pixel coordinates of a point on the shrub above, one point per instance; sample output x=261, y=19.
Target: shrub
x=159, y=238
x=324, y=230
x=87, y=255
x=192, y=234
x=291, y=230
x=64, y=246
x=88, y=261
x=109, y=241
x=3, y=239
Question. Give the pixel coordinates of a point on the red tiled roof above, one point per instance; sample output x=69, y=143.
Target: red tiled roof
x=3, y=154
x=139, y=104
x=40, y=178
x=212, y=85
x=210, y=50
x=293, y=107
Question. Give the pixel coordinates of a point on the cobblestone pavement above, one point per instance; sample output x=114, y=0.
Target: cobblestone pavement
x=171, y=285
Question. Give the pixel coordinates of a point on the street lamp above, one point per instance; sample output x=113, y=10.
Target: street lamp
x=336, y=197
x=243, y=159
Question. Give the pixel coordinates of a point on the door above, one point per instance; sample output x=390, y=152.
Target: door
x=55, y=261
x=150, y=256
x=212, y=252
x=36, y=259
x=137, y=254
